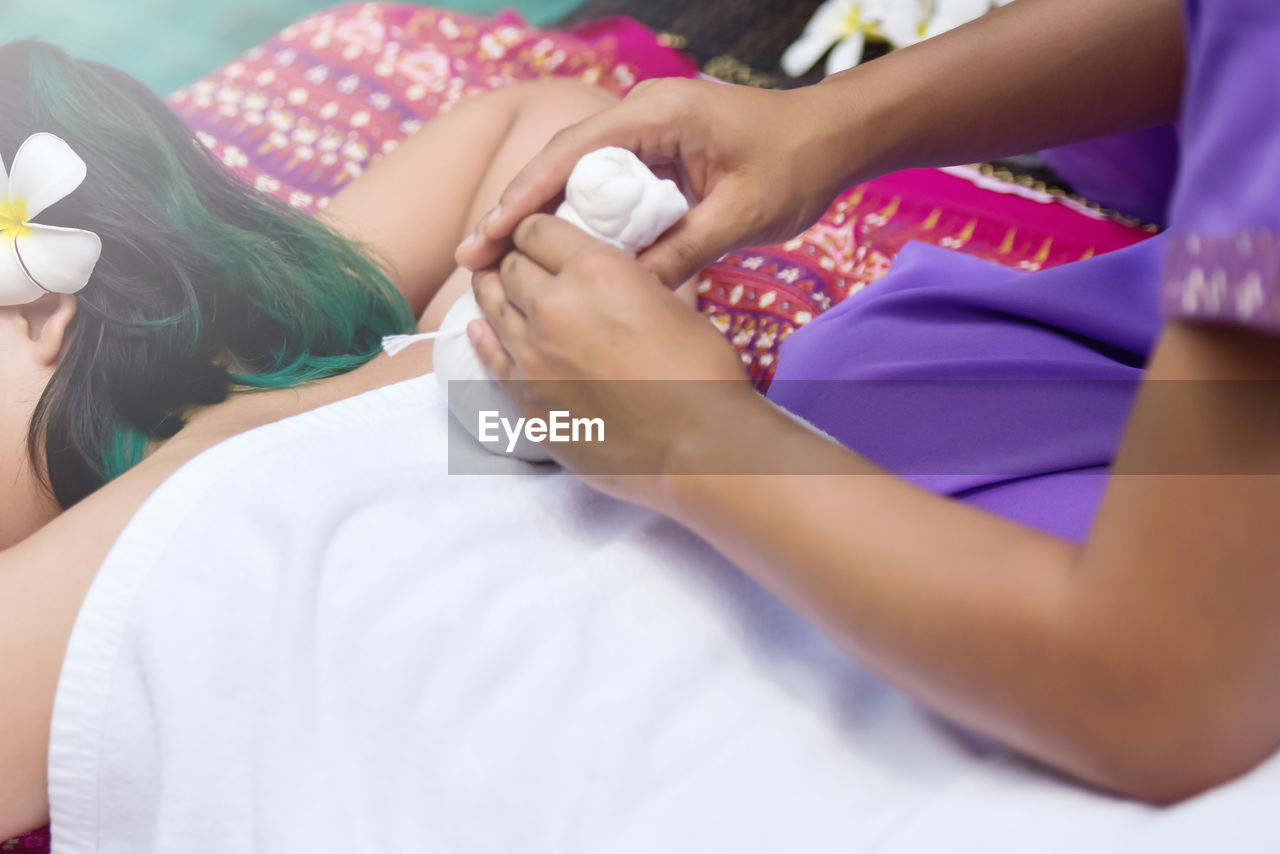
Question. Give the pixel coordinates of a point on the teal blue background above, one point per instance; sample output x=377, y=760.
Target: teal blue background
x=169, y=43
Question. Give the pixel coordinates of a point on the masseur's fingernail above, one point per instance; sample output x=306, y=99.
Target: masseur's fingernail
x=475, y=331
x=490, y=218
x=467, y=242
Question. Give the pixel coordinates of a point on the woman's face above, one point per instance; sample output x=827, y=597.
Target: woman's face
x=31, y=339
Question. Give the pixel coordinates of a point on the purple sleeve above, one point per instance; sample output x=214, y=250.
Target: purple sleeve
x=1224, y=261
x=1133, y=173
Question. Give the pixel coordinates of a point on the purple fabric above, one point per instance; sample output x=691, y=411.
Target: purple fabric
x=1133, y=173
x=1224, y=261
x=1010, y=391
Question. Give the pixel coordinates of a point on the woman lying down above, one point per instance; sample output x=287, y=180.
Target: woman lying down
x=213, y=311
x=243, y=607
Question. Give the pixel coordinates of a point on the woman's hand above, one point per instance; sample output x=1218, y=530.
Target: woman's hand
x=751, y=157
x=576, y=325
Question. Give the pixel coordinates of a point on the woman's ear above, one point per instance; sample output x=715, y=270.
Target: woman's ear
x=47, y=320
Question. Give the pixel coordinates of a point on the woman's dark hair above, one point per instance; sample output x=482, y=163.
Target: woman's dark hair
x=204, y=283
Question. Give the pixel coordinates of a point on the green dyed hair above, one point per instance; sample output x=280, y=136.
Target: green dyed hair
x=203, y=284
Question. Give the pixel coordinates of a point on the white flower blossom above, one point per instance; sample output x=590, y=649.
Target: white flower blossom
x=37, y=259
x=843, y=27
x=840, y=29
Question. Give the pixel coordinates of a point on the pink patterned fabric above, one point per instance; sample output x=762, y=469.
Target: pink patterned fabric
x=303, y=114
x=30, y=843
x=758, y=297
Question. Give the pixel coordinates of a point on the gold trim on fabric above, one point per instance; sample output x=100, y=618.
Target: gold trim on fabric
x=990, y=170
x=675, y=41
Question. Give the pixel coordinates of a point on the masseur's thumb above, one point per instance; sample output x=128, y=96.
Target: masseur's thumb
x=710, y=229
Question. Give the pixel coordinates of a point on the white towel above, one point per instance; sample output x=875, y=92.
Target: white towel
x=310, y=640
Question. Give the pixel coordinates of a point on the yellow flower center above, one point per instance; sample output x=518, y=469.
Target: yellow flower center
x=13, y=219
x=852, y=22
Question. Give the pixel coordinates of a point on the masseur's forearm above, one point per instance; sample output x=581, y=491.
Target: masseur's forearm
x=1137, y=662
x=959, y=608
x=1031, y=75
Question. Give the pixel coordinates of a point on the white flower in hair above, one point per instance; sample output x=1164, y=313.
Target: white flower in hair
x=37, y=259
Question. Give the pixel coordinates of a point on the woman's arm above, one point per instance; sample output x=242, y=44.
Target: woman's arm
x=43, y=581
x=1146, y=662
x=36, y=611
x=412, y=207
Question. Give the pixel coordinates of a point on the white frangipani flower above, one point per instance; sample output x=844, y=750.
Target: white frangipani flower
x=845, y=26
x=38, y=259
x=898, y=22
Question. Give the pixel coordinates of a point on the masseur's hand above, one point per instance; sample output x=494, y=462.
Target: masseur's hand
x=750, y=156
x=576, y=325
